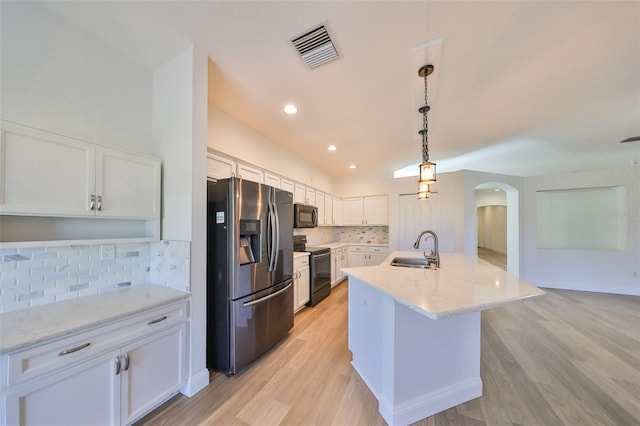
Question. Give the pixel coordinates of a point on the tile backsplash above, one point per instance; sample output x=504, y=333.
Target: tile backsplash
x=348, y=234
x=40, y=275
x=170, y=264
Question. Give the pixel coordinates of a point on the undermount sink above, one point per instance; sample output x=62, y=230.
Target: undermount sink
x=411, y=262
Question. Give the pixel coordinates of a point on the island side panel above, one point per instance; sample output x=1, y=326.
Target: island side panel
x=437, y=364
x=415, y=366
x=365, y=333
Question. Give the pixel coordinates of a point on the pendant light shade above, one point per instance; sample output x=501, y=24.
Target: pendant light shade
x=427, y=172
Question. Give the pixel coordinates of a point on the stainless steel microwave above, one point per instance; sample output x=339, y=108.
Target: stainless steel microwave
x=305, y=216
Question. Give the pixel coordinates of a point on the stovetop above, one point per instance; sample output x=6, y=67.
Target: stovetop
x=300, y=244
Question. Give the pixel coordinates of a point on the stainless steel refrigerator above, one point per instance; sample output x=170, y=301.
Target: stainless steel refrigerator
x=249, y=271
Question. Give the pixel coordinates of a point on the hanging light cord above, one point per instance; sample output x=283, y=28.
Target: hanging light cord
x=425, y=125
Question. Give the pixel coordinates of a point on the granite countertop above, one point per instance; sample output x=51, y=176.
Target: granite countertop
x=34, y=325
x=464, y=283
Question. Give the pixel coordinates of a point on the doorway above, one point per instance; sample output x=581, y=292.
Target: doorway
x=497, y=225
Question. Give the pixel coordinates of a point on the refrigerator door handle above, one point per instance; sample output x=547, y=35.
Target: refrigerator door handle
x=269, y=232
x=271, y=237
x=277, y=235
x=263, y=299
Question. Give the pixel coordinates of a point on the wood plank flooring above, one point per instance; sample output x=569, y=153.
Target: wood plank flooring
x=567, y=358
x=493, y=257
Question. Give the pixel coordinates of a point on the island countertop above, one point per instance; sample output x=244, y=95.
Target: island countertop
x=463, y=283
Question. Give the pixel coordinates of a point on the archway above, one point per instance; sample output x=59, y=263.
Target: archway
x=512, y=223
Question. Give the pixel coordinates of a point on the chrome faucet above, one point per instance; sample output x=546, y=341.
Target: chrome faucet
x=435, y=254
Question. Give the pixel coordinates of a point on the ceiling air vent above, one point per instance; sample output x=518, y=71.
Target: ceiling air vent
x=315, y=47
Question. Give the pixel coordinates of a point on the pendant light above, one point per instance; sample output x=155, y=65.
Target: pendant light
x=427, y=174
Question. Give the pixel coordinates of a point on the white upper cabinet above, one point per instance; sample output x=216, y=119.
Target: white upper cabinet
x=366, y=210
x=338, y=218
x=376, y=210
x=287, y=185
x=220, y=167
x=328, y=209
x=127, y=185
x=43, y=174
x=272, y=180
x=353, y=211
x=253, y=174
x=300, y=194
x=311, y=196
x=320, y=205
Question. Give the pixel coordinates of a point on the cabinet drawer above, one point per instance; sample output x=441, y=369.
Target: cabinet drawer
x=378, y=250
x=64, y=352
x=357, y=249
x=299, y=262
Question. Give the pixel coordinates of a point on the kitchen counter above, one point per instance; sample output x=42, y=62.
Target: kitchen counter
x=35, y=325
x=343, y=244
x=415, y=333
x=297, y=254
x=463, y=283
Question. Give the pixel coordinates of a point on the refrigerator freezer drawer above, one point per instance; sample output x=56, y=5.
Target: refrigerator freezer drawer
x=259, y=322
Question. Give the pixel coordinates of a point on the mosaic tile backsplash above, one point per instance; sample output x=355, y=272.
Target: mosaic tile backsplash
x=347, y=234
x=37, y=276
x=40, y=275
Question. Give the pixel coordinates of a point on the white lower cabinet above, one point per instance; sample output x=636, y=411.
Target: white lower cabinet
x=366, y=255
x=88, y=394
x=339, y=260
x=112, y=375
x=301, y=282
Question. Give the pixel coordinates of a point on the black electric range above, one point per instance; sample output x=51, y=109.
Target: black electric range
x=319, y=269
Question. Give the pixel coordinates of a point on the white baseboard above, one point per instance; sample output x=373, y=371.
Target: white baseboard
x=595, y=288
x=196, y=383
x=432, y=403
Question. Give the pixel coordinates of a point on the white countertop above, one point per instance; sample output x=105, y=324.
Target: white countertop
x=297, y=254
x=343, y=244
x=34, y=325
x=464, y=283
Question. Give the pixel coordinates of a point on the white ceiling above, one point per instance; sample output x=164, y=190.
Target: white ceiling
x=520, y=88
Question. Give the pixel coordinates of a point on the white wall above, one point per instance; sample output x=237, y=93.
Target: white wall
x=614, y=271
x=66, y=81
x=490, y=197
x=180, y=134
x=442, y=212
x=492, y=228
x=358, y=185
x=231, y=137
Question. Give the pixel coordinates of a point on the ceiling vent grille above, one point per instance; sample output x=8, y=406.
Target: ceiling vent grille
x=315, y=47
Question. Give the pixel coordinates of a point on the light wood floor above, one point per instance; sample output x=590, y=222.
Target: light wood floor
x=567, y=358
x=493, y=257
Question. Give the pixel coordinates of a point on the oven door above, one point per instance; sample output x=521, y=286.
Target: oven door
x=320, y=285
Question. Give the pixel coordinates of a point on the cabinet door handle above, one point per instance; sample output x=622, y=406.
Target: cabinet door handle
x=92, y=202
x=117, y=365
x=157, y=320
x=99, y=207
x=76, y=349
x=126, y=362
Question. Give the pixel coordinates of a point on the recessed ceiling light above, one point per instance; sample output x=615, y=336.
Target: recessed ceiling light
x=290, y=109
x=353, y=166
x=332, y=148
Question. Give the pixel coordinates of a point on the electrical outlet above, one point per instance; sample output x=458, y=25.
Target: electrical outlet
x=107, y=251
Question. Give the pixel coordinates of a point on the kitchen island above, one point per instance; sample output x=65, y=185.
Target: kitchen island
x=415, y=333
